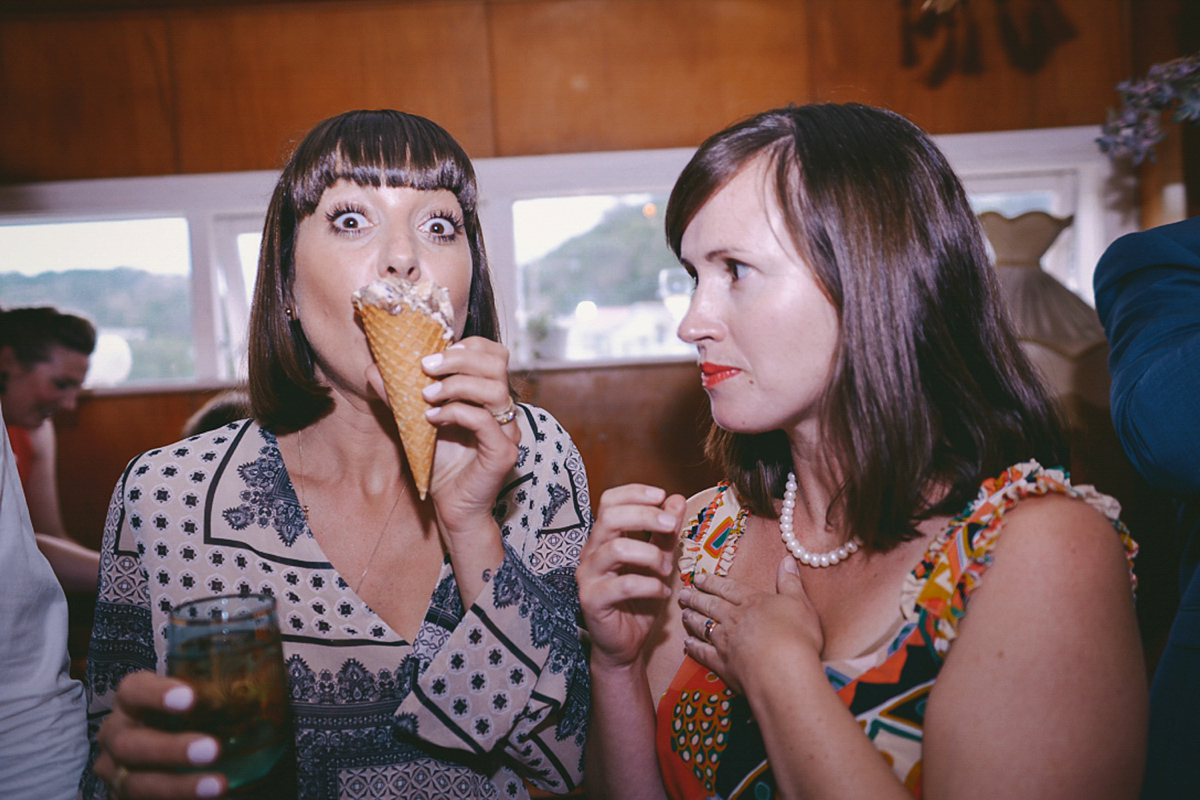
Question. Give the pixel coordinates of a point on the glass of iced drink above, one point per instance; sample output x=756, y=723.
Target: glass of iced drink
x=229, y=649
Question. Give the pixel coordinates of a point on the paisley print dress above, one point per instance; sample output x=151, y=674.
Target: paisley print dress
x=484, y=703
x=708, y=743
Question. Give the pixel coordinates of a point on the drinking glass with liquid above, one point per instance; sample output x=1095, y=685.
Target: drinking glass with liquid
x=228, y=648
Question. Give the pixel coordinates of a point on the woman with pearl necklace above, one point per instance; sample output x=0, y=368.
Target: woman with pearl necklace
x=892, y=462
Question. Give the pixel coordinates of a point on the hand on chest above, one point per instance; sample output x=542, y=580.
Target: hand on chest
x=856, y=601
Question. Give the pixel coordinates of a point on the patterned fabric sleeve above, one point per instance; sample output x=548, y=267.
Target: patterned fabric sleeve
x=512, y=677
x=122, y=634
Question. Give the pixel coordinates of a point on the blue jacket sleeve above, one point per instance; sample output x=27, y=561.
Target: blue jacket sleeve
x=1148, y=298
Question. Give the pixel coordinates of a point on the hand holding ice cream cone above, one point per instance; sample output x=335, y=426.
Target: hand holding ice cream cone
x=404, y=323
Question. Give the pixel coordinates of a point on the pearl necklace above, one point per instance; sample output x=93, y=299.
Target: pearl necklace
x=798, y=550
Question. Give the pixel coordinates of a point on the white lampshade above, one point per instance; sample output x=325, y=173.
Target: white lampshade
x=1059, y=331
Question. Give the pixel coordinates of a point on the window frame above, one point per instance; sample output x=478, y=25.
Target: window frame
x=202, y=200
x=219, y=206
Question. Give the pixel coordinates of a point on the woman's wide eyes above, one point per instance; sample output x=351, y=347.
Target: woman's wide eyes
x=440, y=227
x=350, y=221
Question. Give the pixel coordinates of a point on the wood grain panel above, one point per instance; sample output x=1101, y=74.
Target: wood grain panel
x=640, y=423
x=643, y=424
x=587, y=75
x=84, y=97
x=857, y=50
x=1078, y=85
x=251, y=80
x=97, y=440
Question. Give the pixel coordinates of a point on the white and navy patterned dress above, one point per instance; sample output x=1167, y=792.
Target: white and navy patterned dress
x=482, y=700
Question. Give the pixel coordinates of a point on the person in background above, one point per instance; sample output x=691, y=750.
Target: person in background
x=43, y=730
x=432, y=644
x=44, y=356
x=1148, y=298
x=898, y=591
x=221, y=409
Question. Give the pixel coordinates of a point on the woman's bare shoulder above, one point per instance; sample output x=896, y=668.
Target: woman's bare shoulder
x=1057, y=528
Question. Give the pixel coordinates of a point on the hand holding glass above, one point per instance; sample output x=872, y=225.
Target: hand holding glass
x=229, y=650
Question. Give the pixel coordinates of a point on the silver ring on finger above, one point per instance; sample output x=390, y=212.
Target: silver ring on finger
x=708, y=629
x=118, y=783
x=507, y=415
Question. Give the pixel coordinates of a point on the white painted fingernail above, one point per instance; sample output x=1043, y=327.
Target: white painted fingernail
x=208, y=786
x=430, y=362
x=202, y=751
x=179, y=699
x=432, y=390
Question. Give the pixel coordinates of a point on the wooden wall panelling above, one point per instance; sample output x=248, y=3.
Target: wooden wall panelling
x=1078, y=85
x=97, y=440
x=1160, y=30
x=198, y=88
x=250, y=81
x=86, y=96
x=643, y=424
x=587, y=75
x=1154, y=37
x=857, y=48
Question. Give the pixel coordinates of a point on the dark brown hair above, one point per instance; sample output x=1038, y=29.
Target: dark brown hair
x=229, y=405
x=930, y=393
x=371, y=148
x=31, y=331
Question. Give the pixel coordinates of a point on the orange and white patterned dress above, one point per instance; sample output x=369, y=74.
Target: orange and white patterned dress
x=707, y=740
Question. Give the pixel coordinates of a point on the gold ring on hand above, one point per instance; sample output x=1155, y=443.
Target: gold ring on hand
x=118, y=783
x=708, y=629
x=507, y=415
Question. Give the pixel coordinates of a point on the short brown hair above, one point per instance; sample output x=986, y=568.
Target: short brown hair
x=32, y=330
x=930, y=393
x=375, y=148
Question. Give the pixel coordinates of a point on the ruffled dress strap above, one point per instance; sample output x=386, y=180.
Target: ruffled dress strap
x=710, y=542
x=939, y=588
x=708, y=742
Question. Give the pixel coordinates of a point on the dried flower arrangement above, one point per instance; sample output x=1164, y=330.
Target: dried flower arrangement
x=1133, y=130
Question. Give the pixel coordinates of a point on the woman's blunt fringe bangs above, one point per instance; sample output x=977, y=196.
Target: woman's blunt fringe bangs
x=380, y=148
x=930, y=392
x=370, y=148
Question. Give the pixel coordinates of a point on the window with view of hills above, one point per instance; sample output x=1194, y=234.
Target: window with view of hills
x=131, y=278
x=575, y=243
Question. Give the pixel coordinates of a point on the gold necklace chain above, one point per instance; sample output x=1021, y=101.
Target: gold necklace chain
x=378, y=539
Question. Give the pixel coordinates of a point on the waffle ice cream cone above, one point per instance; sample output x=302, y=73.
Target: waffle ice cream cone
x=404, y=323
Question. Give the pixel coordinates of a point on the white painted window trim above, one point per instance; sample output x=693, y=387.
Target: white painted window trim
x=203, y=200
x=221, y=205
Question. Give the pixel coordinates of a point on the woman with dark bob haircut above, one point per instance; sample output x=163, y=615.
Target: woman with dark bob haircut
x=431, y=645
x=800, y=630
